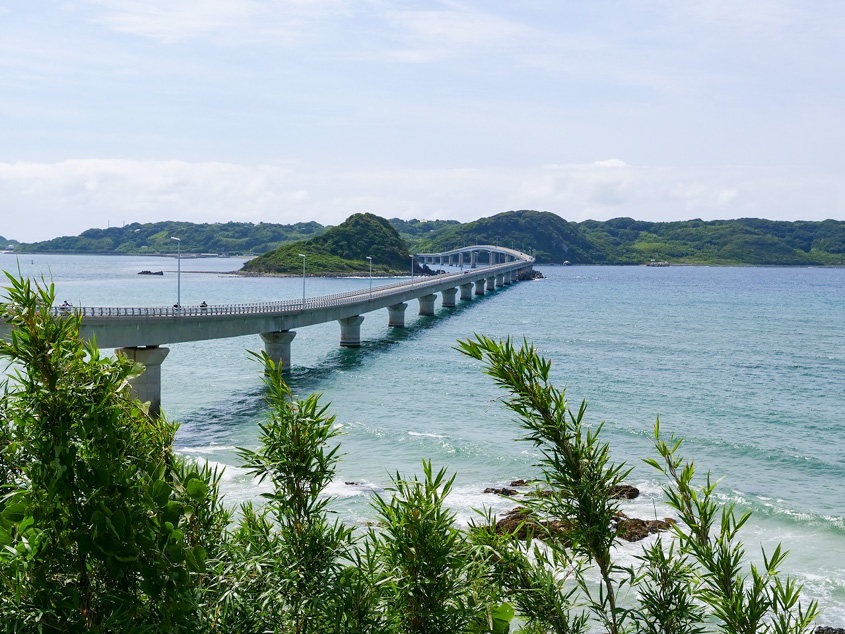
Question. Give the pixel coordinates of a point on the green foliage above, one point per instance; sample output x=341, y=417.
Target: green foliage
x=549, y=237
x=706, y=565
x=436, y=578
x=102, y=528
x=666, y=584
x=230, y=237
x=341, y=250
x=744, y=241
x=575, y=464
x=743, y=602
x=284, y=567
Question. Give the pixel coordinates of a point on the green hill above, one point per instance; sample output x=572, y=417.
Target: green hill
x=341, y=250
x=744, y=241
x=550, y=238
x=417, y=232
x=230, y=237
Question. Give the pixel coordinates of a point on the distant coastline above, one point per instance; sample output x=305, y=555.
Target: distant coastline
x=549, y=238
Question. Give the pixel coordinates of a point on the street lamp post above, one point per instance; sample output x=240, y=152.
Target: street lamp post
x=370, y=258
x=303, y=280
x=178, y=271
x=412, y=269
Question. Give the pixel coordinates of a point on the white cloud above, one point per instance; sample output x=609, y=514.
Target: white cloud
x=610, y=163
x=44, y=200
x=230, y=20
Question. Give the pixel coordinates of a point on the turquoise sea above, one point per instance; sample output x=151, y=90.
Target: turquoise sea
x=747, y=364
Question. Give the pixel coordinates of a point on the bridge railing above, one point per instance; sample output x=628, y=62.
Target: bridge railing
x=280, y=306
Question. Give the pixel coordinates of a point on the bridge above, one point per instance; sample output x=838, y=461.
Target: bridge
x=140, y=333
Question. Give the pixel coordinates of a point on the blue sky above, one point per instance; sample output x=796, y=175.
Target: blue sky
x=119, y=111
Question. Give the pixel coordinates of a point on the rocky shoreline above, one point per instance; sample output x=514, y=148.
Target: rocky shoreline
x=521, y=522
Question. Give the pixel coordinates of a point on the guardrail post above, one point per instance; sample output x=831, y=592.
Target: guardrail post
x=147, y=386
x=277, y=347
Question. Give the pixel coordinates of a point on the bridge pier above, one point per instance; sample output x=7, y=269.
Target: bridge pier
x=147, y=386
x=449, y=297
x=396, y=315
x=277, y=347
x=350, y=331
x=466, y=292
x=427, y=304
x=500, y=280
x=479, y=286
x=491, y=282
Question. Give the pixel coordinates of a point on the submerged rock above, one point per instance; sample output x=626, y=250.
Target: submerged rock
x=502, y=491
x=633, y=529
x=520, y=522
x=624, y=492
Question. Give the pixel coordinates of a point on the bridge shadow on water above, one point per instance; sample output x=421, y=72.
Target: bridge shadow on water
x=217, y=420
x=304, y=380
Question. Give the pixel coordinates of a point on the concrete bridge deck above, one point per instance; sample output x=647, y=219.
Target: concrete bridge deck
x=140, y=332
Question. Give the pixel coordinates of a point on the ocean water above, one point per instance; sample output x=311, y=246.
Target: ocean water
x=746, y=364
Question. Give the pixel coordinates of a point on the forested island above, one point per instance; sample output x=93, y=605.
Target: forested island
x=344, y=249
x=550, y=238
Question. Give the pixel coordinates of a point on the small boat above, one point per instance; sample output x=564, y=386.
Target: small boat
x=151, y=273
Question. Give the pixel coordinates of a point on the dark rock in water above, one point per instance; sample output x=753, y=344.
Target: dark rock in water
x=624, y=492
x=150, y=272
x=520, y=522
x=633, y=529
x=520, y=483
x=823, y=629
x=620, y=492
x=502, y=491
x=352, y=484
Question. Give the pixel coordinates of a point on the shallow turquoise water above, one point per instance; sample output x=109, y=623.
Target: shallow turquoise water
x=747, y=364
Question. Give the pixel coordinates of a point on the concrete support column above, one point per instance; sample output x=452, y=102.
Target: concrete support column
x=500, y=280
x=466, y=291
x=491, y=282
x=147, y=386
x=277, y=347
x=449, y=297
x=473, y=258
x=396, y=315
x=350, y=331
x=427, y=304
x=479, y=286
x=509, y=277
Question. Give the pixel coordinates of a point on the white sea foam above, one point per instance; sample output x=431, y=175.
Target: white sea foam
x=425, y=434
